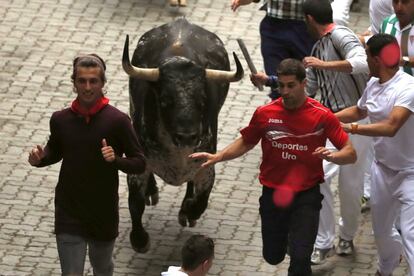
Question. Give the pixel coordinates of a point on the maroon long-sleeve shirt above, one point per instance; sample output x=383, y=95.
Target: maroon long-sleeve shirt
x=86, y=201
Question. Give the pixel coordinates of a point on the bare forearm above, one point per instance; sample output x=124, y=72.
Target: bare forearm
x=389, y=127
x=338, y=65
x=333, y=65
x=234, y=150
x=237, y=3
x=351, y=114
x=346, y=155
x=377, y=129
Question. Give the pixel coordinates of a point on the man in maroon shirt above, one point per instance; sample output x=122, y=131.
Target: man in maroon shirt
x=94, y=140
x=293, y=130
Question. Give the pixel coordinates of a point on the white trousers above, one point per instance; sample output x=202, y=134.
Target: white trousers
x=340, y=11
x=350, y=189
x=367, y=177
x=392, y=194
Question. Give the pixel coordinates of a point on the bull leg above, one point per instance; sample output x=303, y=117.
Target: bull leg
x=151, y=193
x=137, y=187
x=182, y=215
x=196, y=198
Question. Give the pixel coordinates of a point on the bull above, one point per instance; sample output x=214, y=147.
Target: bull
x=179, y=79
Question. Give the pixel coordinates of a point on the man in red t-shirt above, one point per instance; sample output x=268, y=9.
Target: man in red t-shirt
x=293, y=130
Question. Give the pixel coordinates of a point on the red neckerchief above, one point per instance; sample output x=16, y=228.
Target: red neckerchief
x=87, y=113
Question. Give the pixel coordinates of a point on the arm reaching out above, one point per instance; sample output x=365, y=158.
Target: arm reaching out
x=237, y=3
x=334, y=65
x=388, y=127
x=232, y=151
x=351, y=114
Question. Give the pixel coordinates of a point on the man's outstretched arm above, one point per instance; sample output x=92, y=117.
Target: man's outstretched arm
x=232, y=151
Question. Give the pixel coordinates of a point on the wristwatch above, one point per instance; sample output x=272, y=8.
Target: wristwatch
x=406, y=60
x=354, y=127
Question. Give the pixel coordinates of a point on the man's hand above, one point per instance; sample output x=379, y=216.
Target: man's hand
x=36, y=155
x=367, y=32
x=107, y=152
x=237, y=3
x=259, y=79
x=313, y=62
x=324, y=153
x=211, y=159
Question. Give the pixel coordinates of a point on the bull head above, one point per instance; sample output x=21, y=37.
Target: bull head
x=153, y=74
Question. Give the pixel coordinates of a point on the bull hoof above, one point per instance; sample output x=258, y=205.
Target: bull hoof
x=140, y=242
x=152, y=199
x=183, y=219
x=192, y=223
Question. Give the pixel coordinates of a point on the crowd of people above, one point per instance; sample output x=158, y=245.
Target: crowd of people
x=341, y=104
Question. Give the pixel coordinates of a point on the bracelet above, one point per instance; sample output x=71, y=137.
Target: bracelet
x=354, y=128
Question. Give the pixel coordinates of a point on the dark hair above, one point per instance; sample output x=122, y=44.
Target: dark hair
x=196, y=250
x=379, y=41
x=289, y=67
x=320, y=10
x=91, y=60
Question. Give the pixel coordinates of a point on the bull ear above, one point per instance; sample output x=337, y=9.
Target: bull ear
x=149, y=74
x=226, y=76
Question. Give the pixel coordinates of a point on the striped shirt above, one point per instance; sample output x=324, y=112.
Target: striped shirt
x=285, y=9
x=391, y=26
x=338, y=90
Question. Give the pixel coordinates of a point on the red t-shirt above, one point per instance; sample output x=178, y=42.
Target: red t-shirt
x=288, y=139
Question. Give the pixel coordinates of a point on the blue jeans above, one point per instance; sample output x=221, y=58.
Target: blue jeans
x=294, y=227
x=72, y=254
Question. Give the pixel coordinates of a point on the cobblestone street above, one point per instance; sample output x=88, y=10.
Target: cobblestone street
x=39, y=39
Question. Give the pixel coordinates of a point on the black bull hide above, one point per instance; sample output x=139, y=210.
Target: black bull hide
x=179, y=78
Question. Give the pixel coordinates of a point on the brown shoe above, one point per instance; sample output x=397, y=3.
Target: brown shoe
x=183, y=3
x=173, y=3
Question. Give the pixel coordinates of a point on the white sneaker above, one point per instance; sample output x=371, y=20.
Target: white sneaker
x=319, y=255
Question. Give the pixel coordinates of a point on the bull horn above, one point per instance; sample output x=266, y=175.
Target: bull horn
x=229, y=76
x=149, y=74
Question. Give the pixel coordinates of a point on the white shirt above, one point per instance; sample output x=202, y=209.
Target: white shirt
x=378, y=99
x=340, y=11
x=378, y=11
x=174, y=271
